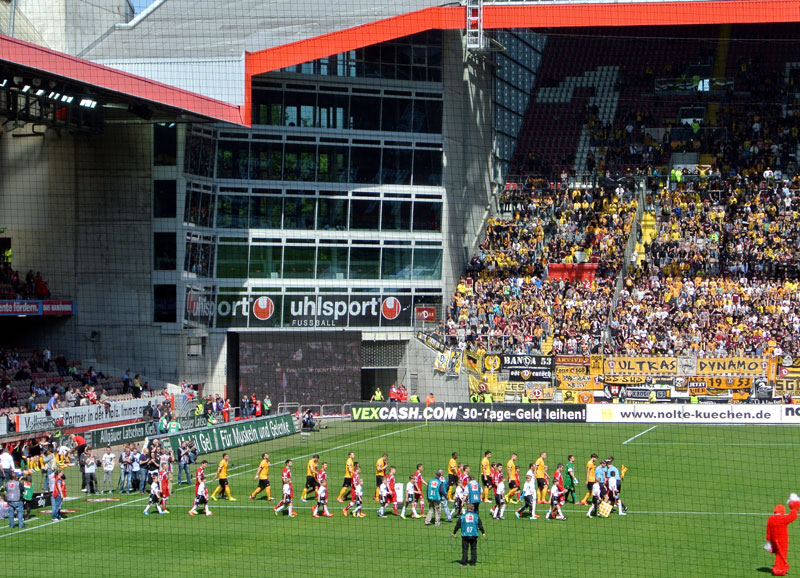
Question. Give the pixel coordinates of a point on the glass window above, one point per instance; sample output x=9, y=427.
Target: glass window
x=332, y=215
x=165, y=199
x=189, y=210
x=427, y=216
x=396, y=263
x=428, y=116
x=396, y=114
x=396, y=168
x=266, y=160
x=332, y=263
x=232, y=261
x=299, y=109
x=298, y=213
x=165, y=144
x=165, y=303
x=396, y=216
x=365, y=165
x=298, y=162
x=298, y=262
x=199, y=155
x=427, y=264
x=332, y=164
x=333, y=110
x=428, y=167
x=164, y=251
x=232, y=159
x=265, y=212
x=365, y=113
x=268, y=107
x=232, y=211
x=265, y=261
x=206, y=217
x=199, y=259
x=365, y=262
x=364, y=214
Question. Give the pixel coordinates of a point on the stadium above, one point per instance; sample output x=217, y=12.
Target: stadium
x=505, y=230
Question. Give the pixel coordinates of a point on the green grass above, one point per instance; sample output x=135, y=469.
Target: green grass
x=698, y=499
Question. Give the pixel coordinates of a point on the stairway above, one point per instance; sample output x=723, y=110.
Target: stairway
x=606, y=99
x=547, y=345
x=648, y=232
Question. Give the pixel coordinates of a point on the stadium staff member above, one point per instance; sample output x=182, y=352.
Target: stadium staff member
x=430, y=399
x=470, y=524
x=378, y=395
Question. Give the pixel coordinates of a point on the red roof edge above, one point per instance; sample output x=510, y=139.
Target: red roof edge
x=36, y=57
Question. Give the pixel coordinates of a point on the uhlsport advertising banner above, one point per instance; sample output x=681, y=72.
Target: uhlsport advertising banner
x=231, y=435
x=477, y=412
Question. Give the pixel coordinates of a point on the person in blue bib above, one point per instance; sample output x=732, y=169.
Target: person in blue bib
x=473, y=493
x=470, y=525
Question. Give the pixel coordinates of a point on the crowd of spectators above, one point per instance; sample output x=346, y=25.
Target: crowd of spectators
x=720, y=276
x=14, y=286
x=506, y=301
x=32, y=380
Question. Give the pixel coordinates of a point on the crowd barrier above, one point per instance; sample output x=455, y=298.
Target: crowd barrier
x=230, y=435
x=85, y=415
x=591, y=378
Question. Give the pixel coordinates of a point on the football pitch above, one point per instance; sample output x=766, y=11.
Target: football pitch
x=698, y=499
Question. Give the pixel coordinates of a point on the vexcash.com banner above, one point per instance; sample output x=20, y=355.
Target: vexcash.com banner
x=477, y=412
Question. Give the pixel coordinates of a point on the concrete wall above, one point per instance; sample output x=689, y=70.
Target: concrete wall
x=419, y=361
x=468, y=149
x=72, y=25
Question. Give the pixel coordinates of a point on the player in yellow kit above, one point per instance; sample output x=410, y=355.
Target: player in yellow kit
x=380, y=473
x=452, y=475
x=262, y=475
x=486, y=475
x=348, y=476
x=590, y=465
x=222, y=477
x=540, y=471
x=513, y=479
x=311, y=477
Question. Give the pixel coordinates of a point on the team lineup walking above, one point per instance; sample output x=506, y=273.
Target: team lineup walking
x=451, y=495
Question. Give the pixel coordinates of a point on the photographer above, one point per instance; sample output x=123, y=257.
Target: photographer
x=89, y=464
x=184, y=460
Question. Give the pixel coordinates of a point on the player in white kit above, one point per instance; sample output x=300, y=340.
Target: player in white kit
x=201, y=497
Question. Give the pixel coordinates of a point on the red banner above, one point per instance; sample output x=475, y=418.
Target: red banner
x=584, y=272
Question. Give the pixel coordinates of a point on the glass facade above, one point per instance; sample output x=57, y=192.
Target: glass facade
x=337, y=188
x=515, y=74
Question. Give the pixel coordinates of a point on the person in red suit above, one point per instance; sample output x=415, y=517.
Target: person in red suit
x=778, y=535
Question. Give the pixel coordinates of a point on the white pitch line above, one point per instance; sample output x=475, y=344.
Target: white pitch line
x=753, y=445
x=639, y=434
x=124, y=504
x=217, y=505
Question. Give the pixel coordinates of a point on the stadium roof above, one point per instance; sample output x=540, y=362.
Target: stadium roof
x=25, y=59
x=197, y=30
x=267, y=36
x=228, y=28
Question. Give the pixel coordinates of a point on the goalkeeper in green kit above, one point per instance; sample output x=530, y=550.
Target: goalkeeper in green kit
x=570, y=481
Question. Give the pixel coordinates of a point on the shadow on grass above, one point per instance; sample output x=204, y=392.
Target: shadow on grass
x=764, y=569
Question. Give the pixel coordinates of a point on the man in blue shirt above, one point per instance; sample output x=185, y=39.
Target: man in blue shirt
x=600, y=475
x=52, y=403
